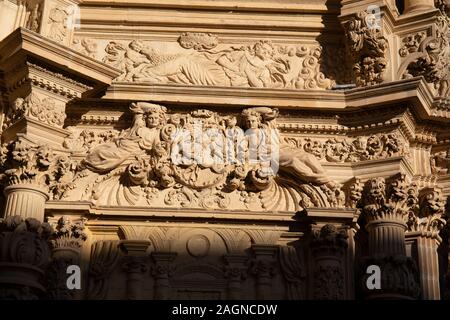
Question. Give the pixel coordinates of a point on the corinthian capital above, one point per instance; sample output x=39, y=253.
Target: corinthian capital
x=430, y=217
x=394, y=199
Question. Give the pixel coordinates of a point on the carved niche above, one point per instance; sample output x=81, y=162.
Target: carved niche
x=200, y=60
x=199, y=160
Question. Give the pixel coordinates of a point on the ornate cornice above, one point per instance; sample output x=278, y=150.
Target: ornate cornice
x=23, y=42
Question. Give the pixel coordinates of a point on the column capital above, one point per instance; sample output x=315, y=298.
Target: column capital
x=389, y=201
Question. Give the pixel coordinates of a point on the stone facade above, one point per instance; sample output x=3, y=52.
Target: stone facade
x=174, y=150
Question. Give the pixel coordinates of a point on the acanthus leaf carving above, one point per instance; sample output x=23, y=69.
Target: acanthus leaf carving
x=374, y=147
x=22, y=162
x=69, y=234
x=430, y=218
x=396, y=199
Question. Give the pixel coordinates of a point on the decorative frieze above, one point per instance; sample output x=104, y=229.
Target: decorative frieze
x=374, y=147
x=32, y=106
x=202, y=61
x=197, y=160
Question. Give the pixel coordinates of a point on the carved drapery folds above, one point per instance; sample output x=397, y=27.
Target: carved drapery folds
x=367, y=48
x=105, y=255
x=24, y=256
x=201, y=60
x=199, y=160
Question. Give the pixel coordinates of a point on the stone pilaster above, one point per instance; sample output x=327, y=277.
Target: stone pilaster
x=235, y=271
x=263, y=267
x=162, y=271
x=385, y=208
x=24, y=256
x=66, y=243
x=135, y=264
x=328, y=246
x=423, y=232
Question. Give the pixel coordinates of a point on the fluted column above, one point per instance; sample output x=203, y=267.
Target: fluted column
x=26, y=200
x=162, y=271
x=135, y=265
x=235, y=272
x=385, y=208
x=263, y=267
x=328, y=250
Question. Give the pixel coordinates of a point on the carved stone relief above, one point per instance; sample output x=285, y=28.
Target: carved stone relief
x=24, y=162
x=368, y=49
x=201, y=60
x=159, y=162
x=86, y=46
x=34, y=11
x=377, y=146
x=440, y=162
x=43, y=109
x=58, y=23
x=430, y=55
